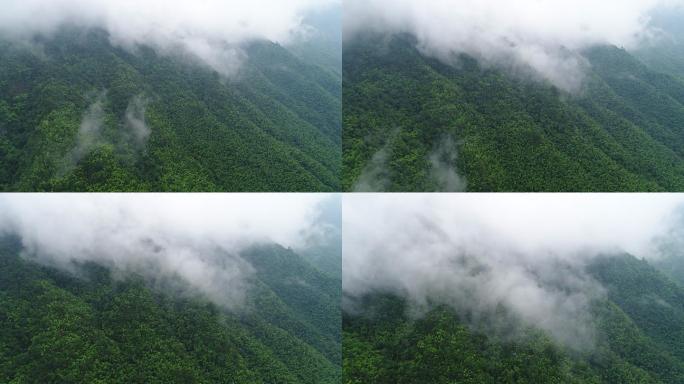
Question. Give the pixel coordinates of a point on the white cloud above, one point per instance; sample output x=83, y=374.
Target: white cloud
x=545, y=35
x=476, y=252
x=213, y=30
x=197, y=237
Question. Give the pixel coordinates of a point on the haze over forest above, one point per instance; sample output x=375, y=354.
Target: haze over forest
x=486, y=96
x=511, y=287
x=539, y=38
x=479, y=252
x=170, y=288
x=148, y=96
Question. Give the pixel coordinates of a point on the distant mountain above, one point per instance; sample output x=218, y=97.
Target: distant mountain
x=666, y=52
x=56, y=327
x=80, y=114
x=324, y=43
x=640, y=339
x=414, y=123
x=324, y=251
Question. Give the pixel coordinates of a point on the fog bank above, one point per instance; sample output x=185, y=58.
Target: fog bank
x=194, y=237
x=544, y=36
x=478, y=252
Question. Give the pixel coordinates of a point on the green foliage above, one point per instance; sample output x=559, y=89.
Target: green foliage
x=58, y=328
x=274, y=127
x=639, y=337
x=621, y=132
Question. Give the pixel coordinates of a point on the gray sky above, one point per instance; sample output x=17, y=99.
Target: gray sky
x=544, y=35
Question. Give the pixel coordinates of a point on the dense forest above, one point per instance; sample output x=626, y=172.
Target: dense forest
x=78, y=113
x=414, y=123
x=639, y=338
x=86, y=326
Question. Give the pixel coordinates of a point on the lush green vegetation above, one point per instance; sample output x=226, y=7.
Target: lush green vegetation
x=59, y=328
x=275, y=126
x=622, y=132
x=640, y=334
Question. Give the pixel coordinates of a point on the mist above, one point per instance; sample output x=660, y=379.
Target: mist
x=135, y=120
x=90, y=131
x=133, y=131
x=212, y=30
x=375, y=175
x=194, y=238
x=539, y=38
x=443, y=160
x=480, y=253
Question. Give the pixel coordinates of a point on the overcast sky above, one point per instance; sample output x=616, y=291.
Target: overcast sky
x=477, y=251
x=194, y=236
x=542, y=34
x=213, y=30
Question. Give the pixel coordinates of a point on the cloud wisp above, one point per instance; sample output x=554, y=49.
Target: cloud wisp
x=135, y=121
x=90, y=131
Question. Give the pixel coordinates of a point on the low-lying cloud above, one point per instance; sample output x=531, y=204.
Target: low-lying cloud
x=212, y=30
x=89, y=134
x=442, y=173
x=546, y=36
x=135, y=121
x=479, y=252
x=133, y=130
x=375, y=176
x=197, y=237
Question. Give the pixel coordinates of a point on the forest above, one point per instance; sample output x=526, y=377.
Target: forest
x=413, y=122
x=91, y=324
x=78, y=113
x=638, y=339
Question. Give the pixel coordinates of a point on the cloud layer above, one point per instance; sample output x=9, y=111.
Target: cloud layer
x=212, y=30
x=478, y=252
x=544, y=35
x=195, y=237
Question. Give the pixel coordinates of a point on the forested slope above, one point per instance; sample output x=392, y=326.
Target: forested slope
x=59, y=328
x=638, y=339
x=414, y=123
x=80, y=114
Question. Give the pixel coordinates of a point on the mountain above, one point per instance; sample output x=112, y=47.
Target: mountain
x=88, y=327
x=666, y=53
x=324, y=251
x=78, y=113
x=325, y=46
x=413, y=123
x=639, y=338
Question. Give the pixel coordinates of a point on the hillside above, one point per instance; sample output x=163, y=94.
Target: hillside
x=56, y=327
x=639, y=338
x=414, y=123
x=78, y=113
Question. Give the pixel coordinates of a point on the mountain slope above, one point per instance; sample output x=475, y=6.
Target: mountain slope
x=275, y=126
x=55, y=327
x=638, y=339
x=413, y=123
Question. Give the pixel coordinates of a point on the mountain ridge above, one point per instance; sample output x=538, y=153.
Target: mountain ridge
x=637, y=341
x=274, y=127
x=511, y=133
x=92, y=327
